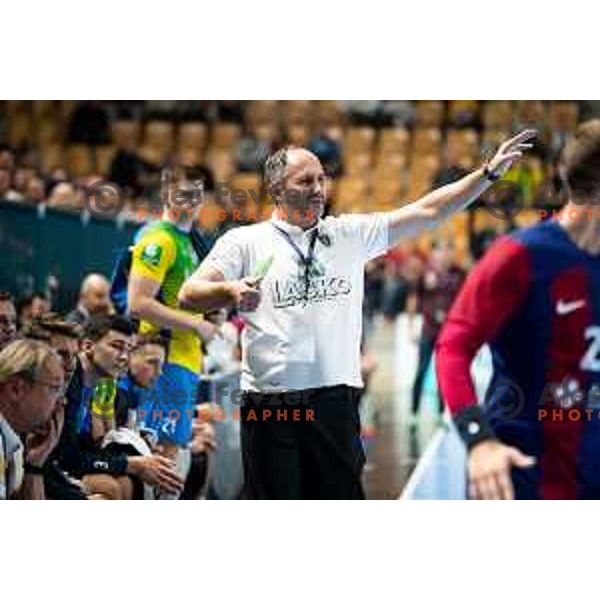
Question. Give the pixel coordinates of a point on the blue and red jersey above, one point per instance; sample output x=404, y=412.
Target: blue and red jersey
x=535, y=299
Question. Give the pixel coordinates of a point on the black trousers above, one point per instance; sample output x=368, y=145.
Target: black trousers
x=302, y=445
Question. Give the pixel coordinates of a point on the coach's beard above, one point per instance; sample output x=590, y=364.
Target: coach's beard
x=304, y=212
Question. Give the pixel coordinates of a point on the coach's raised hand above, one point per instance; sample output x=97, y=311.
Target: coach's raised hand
x=509, y=151
x=432, y=209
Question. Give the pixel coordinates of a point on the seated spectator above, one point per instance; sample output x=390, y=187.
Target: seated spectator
x=92, y=407
x=7, y=158
x=229, y=111
x=363, y=112
x=8, y=319
x=35, y=192
x=6, y=190
x=31, y=390
x=94, y=299
x=64, y=195
x=89, y=124
x=22, y=176
x=31, y=307
x=127, y=167
x=398, y=113
x=328, y=152
x=250, y=153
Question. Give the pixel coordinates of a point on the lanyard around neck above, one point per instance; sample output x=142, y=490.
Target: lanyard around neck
x=305, y=260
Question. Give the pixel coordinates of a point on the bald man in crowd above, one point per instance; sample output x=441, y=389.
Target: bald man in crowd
x=94, y=299
x=298, y=279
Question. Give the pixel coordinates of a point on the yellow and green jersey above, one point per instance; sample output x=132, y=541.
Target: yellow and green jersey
x=165, y=254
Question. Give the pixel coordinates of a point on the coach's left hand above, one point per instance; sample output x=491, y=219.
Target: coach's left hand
x=511, y=150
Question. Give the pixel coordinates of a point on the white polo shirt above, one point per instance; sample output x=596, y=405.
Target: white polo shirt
x=295, y=341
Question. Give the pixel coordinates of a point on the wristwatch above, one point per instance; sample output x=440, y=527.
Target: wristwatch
x=489, y=174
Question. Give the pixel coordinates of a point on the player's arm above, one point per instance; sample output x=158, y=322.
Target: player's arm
x=152, y=258
x=143, y=304
x=491, y=295
x=435, y=207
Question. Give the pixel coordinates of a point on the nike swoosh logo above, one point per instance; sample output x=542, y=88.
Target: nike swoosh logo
x=564, y=308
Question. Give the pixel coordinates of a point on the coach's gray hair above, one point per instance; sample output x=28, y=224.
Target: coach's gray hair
x=275, y=171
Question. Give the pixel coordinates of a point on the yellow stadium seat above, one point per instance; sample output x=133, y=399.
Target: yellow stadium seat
x=153, y=155
x=531, y=113
x=498, y=114
x=351, y=195
x=298, y=135
x=359, y=139
x=104, y=157
x=225, y=135
x=125, y=133
x=48, y=132
x=298, y=112
x=79, y=157
x=262, y=111
x=426, y=141
x=394, y=140
x=52, y=157
x=192, y=135
x=159, y=135
x=430, y=113
x=222, y=164
x=358, y=164
x=463, y=144
x=189, y=156
x=563, y=115
x=20, y=129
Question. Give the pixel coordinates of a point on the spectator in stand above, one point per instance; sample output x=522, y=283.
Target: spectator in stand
x=89, y=124
x=6, y=190
x=104, y=356
x=432, y=298
x=250, y=153
x=328, y=151
x=398, y=113
x=7, y=158
x=8, y=319
x=127, y=167
x=64, y=195
x=35, y=192
x=31, y=307
x=229, y=111
x=363, y=112
x=94, y=299
x=31, y=392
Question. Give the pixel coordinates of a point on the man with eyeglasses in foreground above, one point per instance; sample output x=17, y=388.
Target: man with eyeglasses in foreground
x=31, y=415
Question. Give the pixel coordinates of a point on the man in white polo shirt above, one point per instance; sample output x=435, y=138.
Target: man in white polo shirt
x=298, y=280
